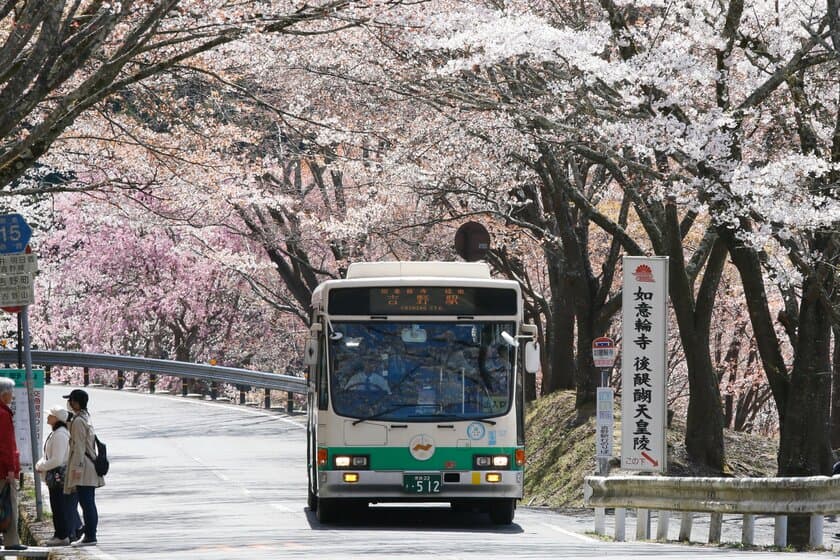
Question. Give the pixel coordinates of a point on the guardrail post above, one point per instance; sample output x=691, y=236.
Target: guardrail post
x=290, y=402
x=620, y=523
x=685, y=526
x=268, y=399
x=86, y=376
x=780, y=531
x=214, y=391
x=152, y=383
x=642, y=524
x=241, y=395
x=816, y=539
x=715, y=527
x=662, y=525
x=185, y=387
x=748, y=530
x=600, y=521
x=120, y=379
x=48, y=375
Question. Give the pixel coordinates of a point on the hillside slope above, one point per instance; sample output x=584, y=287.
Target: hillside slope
x=561, y=452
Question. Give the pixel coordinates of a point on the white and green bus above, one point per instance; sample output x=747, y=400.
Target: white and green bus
x=416, y=394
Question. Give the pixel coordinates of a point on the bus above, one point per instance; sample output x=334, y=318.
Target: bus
x=416, y=391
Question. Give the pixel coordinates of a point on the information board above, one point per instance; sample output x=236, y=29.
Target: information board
x=21, y=410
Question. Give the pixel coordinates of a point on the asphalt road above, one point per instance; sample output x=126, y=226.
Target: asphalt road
x=195, y=479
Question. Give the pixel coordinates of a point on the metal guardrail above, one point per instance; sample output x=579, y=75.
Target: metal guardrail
x=221, y=374
x=805, y=495
x=815, y=496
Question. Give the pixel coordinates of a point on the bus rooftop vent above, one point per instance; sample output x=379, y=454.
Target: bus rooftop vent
x=397, y=269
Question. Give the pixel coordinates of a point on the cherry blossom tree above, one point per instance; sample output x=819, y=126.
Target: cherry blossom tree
x=61, y=59
x=116, y=282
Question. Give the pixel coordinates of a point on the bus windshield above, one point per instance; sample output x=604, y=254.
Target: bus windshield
x=421, y=371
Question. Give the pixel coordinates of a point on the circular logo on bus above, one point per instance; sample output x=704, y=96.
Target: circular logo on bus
x=475, y=431
x=421, y=447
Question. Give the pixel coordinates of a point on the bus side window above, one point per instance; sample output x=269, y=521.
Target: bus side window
x=321, y=378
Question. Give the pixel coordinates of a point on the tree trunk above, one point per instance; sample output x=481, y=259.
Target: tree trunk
x=835, y=393
x=704, y=421
x=804, y=446
x=560, y=332
x=746, y=261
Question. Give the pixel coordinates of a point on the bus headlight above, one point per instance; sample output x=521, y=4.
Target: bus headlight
x=484, y=462
x=501, y=461
x=351, y=461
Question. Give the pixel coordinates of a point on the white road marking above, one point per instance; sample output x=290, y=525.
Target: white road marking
x=221, y=475
x=568, y=533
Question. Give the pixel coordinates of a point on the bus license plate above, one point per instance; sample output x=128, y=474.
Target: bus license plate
x=421, y=483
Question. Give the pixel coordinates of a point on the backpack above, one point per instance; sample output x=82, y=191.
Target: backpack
x=100, y=462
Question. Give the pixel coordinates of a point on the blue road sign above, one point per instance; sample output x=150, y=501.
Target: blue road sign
x=14, y=233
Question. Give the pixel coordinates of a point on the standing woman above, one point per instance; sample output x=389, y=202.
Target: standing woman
x=56, y=452
x=9, y=461
x=82, y=477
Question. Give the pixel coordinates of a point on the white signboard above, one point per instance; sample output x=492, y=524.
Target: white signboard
x=21, y=410
x=643, y=379
x=17, y=290
x=604, y=424
x=18, y=264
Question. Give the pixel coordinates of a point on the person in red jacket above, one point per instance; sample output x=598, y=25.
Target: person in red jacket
x=9, y=460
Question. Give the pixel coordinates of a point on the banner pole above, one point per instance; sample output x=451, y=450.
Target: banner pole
x=30, y=401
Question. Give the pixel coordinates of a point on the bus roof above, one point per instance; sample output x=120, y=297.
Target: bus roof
x=411, y=268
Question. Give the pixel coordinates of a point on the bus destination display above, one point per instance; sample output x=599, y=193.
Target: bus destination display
x=422, y=300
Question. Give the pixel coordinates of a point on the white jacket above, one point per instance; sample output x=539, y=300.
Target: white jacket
x=56, y=450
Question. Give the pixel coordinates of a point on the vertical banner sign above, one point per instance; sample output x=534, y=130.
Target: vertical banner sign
x=604, y=424
x=643, y=379
x=21, y=410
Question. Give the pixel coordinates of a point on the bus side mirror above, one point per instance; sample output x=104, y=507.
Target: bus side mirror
x=310, y=352
x=532, y=356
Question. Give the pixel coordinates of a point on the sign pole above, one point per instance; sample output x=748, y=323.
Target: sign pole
x=33, y=427
x=17, y=270
x=603, y=357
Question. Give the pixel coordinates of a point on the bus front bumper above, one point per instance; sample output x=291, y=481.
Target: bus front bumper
x=390, y=485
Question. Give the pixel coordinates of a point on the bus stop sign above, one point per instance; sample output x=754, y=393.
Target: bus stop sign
x=603, y=352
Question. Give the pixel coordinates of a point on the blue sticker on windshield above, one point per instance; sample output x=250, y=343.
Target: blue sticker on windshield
x=475, y=430
x=491, y=437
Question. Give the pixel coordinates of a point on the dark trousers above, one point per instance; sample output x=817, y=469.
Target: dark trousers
x=74, y=521
x=88, y=502
x=60, y=506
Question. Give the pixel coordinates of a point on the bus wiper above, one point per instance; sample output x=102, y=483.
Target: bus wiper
x=383, y=412
x=453, y=418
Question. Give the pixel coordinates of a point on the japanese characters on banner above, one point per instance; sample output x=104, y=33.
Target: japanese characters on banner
x=643, y=379
x=21, y=410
